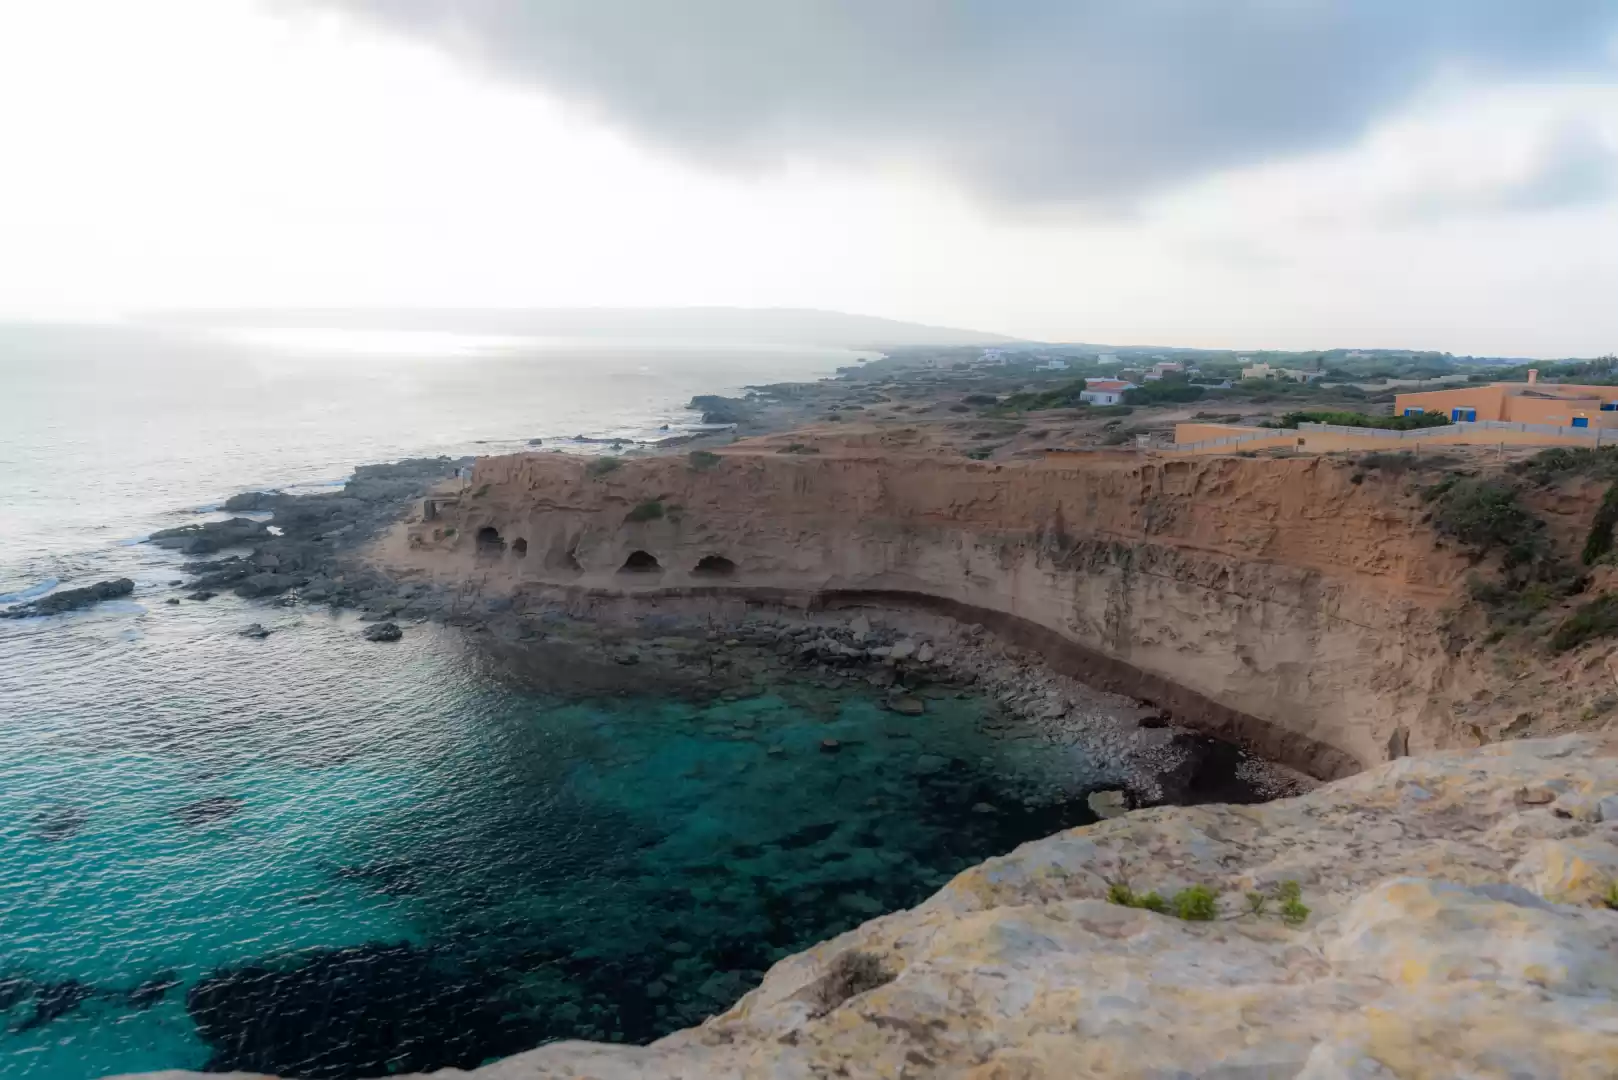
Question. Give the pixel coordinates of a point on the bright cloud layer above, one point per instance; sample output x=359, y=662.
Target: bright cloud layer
x=227, y=152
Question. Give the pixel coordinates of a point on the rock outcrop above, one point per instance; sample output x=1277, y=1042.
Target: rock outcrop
x=1456, y=928
x=64, y=600
x=1293, y=604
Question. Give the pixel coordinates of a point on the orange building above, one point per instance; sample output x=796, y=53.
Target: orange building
x=1531, y=402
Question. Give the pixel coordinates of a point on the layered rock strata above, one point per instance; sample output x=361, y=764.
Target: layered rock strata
x=1275, y=601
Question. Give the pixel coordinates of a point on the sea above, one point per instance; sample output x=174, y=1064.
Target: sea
x=317, y=856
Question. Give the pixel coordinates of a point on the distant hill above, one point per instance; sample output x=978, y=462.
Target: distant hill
x=780, y=326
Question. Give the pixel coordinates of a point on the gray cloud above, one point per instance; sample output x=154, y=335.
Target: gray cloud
x=1091, y=100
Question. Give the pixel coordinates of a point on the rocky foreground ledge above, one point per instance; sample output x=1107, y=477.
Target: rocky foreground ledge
x=1459, y=925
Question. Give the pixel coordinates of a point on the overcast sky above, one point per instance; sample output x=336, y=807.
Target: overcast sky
x=1285, y=173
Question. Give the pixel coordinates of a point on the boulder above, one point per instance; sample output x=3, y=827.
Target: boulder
x=385, y=631
x=1107, y=804
x=908, y=706
x=255, y=630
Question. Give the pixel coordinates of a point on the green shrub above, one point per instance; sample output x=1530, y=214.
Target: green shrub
x=798, y=448
x=980, y=399
x=983, y=453
x=1153, y=902
x=702, y=459
x=1610, y=899
x=1355, y=419
x=1196, y=904
x=1256, y=902
x=601, y=466
x=1484, y=515
x=1599, y=542
x=1597, y=619
x=650, y=510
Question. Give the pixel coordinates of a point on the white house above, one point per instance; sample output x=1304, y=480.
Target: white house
x=1104, y=391
x=1053, y=365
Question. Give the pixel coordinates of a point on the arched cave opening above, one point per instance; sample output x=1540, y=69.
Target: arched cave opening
x=488, y=539
x=640, y=562
x=714, y=566
x=519, y=547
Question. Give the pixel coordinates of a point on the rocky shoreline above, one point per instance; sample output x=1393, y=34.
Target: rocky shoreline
x=308, y=550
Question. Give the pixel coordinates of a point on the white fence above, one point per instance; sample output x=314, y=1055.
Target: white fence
x=1593, y=434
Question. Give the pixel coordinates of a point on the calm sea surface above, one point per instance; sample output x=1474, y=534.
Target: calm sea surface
x=323, y=857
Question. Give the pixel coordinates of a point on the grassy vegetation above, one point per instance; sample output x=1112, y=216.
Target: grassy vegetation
x=651, y=510
x=702, y=460
x=601, y=466
x=1597, y=619
x=798, y=448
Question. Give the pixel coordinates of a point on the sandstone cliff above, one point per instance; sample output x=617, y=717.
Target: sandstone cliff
x=1457, y=929
x=1292, y=603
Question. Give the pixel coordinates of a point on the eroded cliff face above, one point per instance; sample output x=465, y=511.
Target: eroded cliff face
x=1278, y=600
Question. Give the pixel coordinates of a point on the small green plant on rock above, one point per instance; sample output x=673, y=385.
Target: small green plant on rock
x=1610, y=899
x=1196, y=904
x=1256, y=902
x=703, y=459
x=1293, y=910
x=601, y=466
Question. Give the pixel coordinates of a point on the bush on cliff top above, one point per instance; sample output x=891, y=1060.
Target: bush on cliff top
x=601, y=466
x=703, y=459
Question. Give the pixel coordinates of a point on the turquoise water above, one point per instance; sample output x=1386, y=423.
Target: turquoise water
x=313, y=855
x=350, y=859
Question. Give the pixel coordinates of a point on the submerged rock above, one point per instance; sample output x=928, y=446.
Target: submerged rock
x=255, y=630
x=213, y=808
x=385, y=631
x=71, y=599
x=52, y=1000
x=60, y=822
